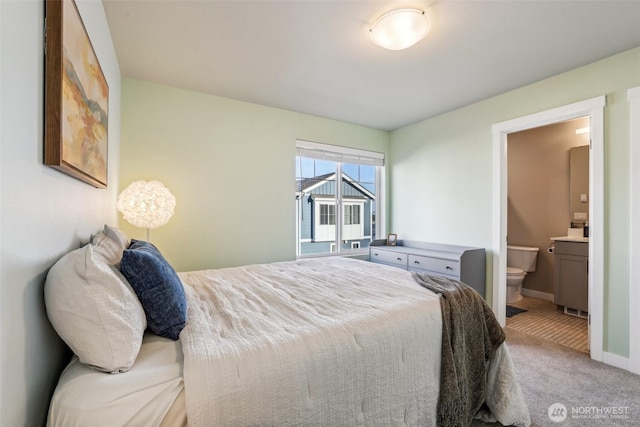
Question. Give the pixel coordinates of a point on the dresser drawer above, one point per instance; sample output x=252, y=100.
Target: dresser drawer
x=434, y=265
x=434, y=273
x=389, y=257
x=462, y=263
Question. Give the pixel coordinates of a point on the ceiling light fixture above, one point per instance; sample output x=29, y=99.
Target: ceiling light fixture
x=400, y=29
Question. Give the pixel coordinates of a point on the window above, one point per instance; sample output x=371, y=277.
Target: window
x=351, y=214
x=337, y=198
x=353, y=228
x=327, y=214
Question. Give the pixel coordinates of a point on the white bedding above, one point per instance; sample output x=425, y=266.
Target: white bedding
x=317, y=342
x=329, y=341
x=143, y=396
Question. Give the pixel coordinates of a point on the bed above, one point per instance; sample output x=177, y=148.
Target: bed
x=318, y=342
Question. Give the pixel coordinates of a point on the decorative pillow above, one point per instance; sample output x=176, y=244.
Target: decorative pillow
x=94, y=310
x=158, y=287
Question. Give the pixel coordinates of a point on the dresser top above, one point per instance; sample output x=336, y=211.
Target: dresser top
x=433, y=250
x=418, y=251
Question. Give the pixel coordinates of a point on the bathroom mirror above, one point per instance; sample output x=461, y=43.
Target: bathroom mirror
x=579, y=184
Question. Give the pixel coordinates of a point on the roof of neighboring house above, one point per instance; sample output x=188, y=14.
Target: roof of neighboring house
x=308, y=184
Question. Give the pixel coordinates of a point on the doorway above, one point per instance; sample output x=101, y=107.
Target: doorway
x=547, y=201
x=594, y=109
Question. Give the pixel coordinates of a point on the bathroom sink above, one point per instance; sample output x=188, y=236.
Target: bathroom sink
x=571, y=239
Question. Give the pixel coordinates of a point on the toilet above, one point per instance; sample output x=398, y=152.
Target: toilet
x=520, y=261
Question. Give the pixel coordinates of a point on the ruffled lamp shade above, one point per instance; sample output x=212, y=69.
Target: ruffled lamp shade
x=146, y=204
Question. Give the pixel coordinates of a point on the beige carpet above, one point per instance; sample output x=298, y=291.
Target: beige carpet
x=591, y=393
x=544, y=320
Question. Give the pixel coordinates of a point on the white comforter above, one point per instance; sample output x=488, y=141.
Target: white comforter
x=319, y=342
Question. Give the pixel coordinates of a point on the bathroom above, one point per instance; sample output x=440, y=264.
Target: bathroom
x=539, y=208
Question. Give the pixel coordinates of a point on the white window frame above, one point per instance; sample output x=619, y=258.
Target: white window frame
x=346, y=202
x=338, y=154
x=359, y=217
x=330, y=215
x=324, y=229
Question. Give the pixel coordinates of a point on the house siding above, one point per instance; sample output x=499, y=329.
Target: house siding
x=309, y=241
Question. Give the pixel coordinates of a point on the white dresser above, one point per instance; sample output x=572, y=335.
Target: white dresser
x=463, y=263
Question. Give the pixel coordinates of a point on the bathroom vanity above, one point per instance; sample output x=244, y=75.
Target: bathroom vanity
x=463, y=263
x=571, y=271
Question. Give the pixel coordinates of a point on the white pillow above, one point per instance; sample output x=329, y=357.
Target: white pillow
x=111, y=243
x=94, y=309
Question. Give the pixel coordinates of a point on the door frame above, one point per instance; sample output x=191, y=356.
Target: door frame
x=633, y=95
x=593, y=108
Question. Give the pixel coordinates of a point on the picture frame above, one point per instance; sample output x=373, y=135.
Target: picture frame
x=76, y=110
x=392, y=240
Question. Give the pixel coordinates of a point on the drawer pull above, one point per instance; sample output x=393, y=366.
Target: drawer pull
x=399, y=259
x=448, y=268
x=375, y=254
x=416, y=262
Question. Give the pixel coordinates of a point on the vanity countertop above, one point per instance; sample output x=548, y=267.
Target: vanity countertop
x=571, y=239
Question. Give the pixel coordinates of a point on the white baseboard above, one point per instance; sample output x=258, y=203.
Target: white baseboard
x=537, y=294
x=615, y=360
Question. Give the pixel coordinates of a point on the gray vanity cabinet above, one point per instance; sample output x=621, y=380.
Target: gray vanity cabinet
x=571, y=269
x=462, y=263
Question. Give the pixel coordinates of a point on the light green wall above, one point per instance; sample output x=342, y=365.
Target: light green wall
x=230, y=165
x=442, y=169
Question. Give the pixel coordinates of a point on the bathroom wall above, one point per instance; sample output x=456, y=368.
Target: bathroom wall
x=538, y=192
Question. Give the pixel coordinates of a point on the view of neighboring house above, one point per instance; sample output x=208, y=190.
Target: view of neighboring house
x=318, y=218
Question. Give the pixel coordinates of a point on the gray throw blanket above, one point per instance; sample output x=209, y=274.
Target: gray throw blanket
x=470, y=336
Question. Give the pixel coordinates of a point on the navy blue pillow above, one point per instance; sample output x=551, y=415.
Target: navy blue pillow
x=158, y=287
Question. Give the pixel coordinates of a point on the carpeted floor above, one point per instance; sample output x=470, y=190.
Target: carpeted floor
x=544, y=320
x=588, y=393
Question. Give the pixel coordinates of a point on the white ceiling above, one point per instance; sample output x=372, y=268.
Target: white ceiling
x=315, y=56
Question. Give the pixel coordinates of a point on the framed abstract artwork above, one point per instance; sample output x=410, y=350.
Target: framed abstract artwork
x=76, y=98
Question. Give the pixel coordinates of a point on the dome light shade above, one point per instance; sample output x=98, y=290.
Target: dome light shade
x=146, y=204
x=400, y=29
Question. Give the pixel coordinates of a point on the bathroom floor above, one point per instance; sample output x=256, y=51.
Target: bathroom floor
x=547, y=321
